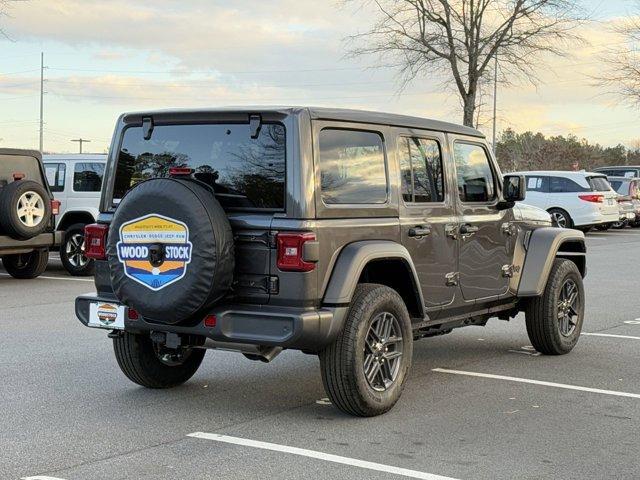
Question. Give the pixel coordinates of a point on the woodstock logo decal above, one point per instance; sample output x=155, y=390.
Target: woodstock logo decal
x=139, y=241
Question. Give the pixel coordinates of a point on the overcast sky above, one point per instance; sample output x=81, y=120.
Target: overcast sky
x=104, y=57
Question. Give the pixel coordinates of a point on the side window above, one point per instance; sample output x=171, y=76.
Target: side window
x=55, y=173
x=475, y=176
x=564, y=185
x=421, y=170
x=87, y=177
x=352, y=167
x=537, y=184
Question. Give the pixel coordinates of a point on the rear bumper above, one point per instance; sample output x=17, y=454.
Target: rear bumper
x=10, y=245
x=245, y=324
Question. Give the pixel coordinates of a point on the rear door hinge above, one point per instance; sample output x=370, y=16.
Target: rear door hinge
x=509, y=228
x=507, y=271
x=452, y=279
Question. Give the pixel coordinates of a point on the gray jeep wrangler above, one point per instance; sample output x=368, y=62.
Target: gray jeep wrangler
x=344, y=234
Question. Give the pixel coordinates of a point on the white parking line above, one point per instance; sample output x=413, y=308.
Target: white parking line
x=538, y=382
x=318, y=455
x=56, y=278
x=41, y=477
x=631, y=337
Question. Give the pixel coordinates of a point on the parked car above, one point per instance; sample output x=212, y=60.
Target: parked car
x=620, y=171
x=342, y=233
x=76, y=181
x=27, y=214
x=579, y=200
x=629, y=195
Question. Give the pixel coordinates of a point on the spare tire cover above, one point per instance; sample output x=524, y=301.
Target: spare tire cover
x=170, y=250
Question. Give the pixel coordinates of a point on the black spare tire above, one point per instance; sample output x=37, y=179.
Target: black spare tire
x=25, y=209
x=170, y=250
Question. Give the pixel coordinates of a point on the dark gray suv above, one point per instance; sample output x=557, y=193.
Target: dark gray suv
x=344, y=234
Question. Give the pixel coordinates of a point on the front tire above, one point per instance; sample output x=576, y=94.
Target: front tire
x=554, y=320
x=72, y=252
x=26, y=265
x=145, y=364
x=364, y=370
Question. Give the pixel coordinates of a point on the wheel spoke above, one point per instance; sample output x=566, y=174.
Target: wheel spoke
x=392, y=355
x=393, y=340
x=373, y=372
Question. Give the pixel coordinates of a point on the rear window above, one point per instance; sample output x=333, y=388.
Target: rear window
x=87, y=176
x=619, y=172
x=599, y=184
x=55, y=173
x=246, y=173
x=565, y=185
x=352, y=167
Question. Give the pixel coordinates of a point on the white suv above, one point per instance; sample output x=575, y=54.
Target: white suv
x=579, y=200
x=75, y=181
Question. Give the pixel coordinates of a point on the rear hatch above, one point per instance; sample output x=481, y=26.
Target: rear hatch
x=21, y=165
x=600, y=186
x=244, y=162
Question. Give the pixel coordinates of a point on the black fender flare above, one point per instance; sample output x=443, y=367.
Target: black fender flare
x=353, y=259
x=543, y=247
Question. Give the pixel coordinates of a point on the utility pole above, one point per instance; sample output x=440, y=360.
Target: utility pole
x=495, y=102
x=81, y=141
x=41, y=100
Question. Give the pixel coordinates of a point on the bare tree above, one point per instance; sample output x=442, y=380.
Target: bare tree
x=460, y=38
x=622, y=74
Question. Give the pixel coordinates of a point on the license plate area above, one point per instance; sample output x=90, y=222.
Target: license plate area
x=106, y=315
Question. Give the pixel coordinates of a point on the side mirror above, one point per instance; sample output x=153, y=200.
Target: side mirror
x=514, y=188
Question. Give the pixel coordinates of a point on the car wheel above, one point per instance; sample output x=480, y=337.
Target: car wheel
x=25, y=209
x=364, y=370
x=561, y=218
x=619, y=225
x=603, y=227
x=585, y=229
x=554, y=320
x=72, y=252
x=26, y=265
x=148, y=365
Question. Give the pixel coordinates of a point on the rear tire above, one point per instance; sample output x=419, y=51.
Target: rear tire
x=143, y=364
x=72, y=252
x=603, y=227
x=376, y=339
x=554, y=320
x=26, y=265
x=561, y=218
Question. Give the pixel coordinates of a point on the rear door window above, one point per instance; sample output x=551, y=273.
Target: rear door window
x=87, y=176
x=565, y=185
x=55, y=173
x=475, y=177
x=352, y=167
x=245, y=173
x=421, y=170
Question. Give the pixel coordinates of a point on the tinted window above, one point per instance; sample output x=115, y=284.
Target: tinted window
x=245, y=173
x=615, y=172
x=352, y=168
x=620, y=186
x=55, y=173
x=564, y=185
x=421, y=170
x=537, y=184
x=87, y=176
x=599, y=184
x=475, y=177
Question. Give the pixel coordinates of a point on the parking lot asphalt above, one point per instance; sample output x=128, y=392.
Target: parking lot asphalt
x=479, y=403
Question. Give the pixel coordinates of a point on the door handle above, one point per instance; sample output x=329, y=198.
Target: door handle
x=467, y=230
x=419, y=231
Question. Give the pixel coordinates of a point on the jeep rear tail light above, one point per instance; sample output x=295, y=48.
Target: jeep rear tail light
x=95, y=241
x=592, y=198
x=55, y=207
x=291, y=252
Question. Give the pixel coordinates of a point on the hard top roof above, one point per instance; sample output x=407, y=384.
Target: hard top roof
x=22, y=152
x=74, y=156
x=324, y=113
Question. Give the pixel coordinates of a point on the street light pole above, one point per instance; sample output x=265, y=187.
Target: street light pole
x=41, y=100
x=495, y=102
x=81, y=141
